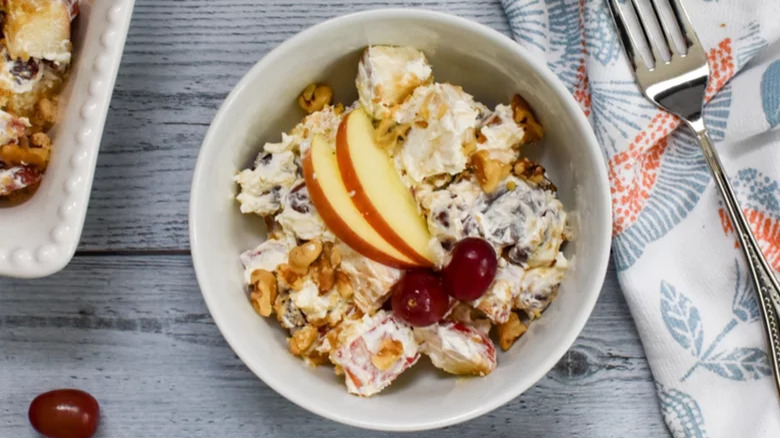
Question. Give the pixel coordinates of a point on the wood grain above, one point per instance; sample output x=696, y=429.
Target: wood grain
x=126, y=321
x=144, y=345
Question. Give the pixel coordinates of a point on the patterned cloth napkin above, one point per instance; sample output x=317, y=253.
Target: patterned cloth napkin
x=678, y=263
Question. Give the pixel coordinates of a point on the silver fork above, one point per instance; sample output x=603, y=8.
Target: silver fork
x=678, y=86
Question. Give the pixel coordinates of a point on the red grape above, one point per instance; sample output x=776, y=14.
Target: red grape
x=419, y=298
x=64, y=413
x=471, y=269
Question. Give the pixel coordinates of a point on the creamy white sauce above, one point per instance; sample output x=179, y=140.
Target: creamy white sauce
x=328, y=306
x=386, y=75
x=502, y=135
x=268, y=256
x=442, y=118
x=263, y=187
x=299, y=217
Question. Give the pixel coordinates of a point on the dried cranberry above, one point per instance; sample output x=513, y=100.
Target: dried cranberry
x=517, y=255
x=299, y=199
x=444, y=218
x=24, y=71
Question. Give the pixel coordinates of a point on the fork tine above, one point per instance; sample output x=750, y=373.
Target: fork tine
x=684, y=23
x=646, y=19
x=667, y=28
x=628, y=38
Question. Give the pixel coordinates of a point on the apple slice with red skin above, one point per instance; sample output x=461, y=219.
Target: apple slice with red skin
x=380, y=195
x=335, y=206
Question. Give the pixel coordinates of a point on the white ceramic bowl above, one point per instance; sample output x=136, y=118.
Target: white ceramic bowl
x=39, y=237
x=488, y=65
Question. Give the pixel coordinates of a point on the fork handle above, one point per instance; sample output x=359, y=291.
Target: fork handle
x=766, y=284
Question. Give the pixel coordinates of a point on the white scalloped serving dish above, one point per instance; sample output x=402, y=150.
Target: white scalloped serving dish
x=39, y=236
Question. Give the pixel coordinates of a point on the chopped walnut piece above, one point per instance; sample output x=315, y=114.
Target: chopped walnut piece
x=323, y=273
x=489, y=172
x=290, y=277
x=263, y=295
x=344, y=285
x=315, y=358
x=332, y=337
x=302, y=339
x=533, y=173
x=286, y=313
x=325, y=279
x=388, y=133
x=442, y=111
x=46, y=112
x=40, y=140
x=335, y=257
x=470, y=147
x=14, y=154
x=322, y=270
x=304, y=255
x=315, y=97
x=389, y=352
x=509, y=331
x=524, y=117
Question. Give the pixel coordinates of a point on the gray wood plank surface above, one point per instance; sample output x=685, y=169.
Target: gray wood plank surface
x=133, y=330
x=126, y=321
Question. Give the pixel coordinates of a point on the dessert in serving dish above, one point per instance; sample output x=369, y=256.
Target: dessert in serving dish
x=408, y=223
x=490, y=67
x=35, y=56
x=62, y=87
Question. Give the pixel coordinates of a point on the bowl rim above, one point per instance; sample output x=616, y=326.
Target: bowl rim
x=589, y=140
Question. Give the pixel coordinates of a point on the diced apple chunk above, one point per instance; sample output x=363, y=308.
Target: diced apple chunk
x=370, y=281
x=12, y=127
x=18, y=178
x=38, y=29
x=374, y=351
x=457, y=348
x=442, y=119
x=266, y=256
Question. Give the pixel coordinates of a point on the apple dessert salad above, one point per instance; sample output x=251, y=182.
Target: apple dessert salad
x=35, y=53
x=406, y=224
